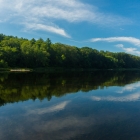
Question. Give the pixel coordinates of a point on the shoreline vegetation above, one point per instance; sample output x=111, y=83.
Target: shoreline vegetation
x=61, y=70
x=24, y=55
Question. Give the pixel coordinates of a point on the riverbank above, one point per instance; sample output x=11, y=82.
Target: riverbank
x=57, y=69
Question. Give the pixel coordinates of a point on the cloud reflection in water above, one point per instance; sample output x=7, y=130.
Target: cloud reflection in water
x=54, y=108
x=127, y=98
x=130, y=87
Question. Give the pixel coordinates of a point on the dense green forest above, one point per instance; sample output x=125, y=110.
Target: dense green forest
x=15, y=87
x=21, y=52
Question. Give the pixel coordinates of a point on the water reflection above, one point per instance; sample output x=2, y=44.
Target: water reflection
x=128, y=93
x=130, y=87
x=127, y=98
x=87, y=105
x=51, y=109
x=17, y=87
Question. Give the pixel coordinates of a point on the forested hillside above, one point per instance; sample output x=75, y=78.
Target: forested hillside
x=20, y=52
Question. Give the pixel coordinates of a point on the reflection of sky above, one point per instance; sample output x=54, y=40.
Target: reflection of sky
x=53, y=108
x=40, y=123
x=127, y=98
x=74, y=115
x=129, y=93
x=129, y=87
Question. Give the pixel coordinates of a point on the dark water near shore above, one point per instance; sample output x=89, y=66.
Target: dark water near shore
x=96, y=105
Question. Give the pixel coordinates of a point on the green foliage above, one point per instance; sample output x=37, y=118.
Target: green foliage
x=3, y=64
x=20, y=52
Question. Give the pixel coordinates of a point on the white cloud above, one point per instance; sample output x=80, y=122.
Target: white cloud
x=45, y=12
x=131, y=40
x=132, y=51
x=119, y=45
x=56, y=30
x=128, y=50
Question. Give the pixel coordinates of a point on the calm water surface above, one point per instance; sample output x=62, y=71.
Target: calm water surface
x=100, y=105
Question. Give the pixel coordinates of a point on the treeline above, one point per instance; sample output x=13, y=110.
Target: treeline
x=21, y=52
x=15, y=87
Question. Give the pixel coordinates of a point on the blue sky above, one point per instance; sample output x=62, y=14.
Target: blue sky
x=109, y=25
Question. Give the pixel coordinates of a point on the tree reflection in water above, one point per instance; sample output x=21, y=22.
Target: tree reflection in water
x=15, y=87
